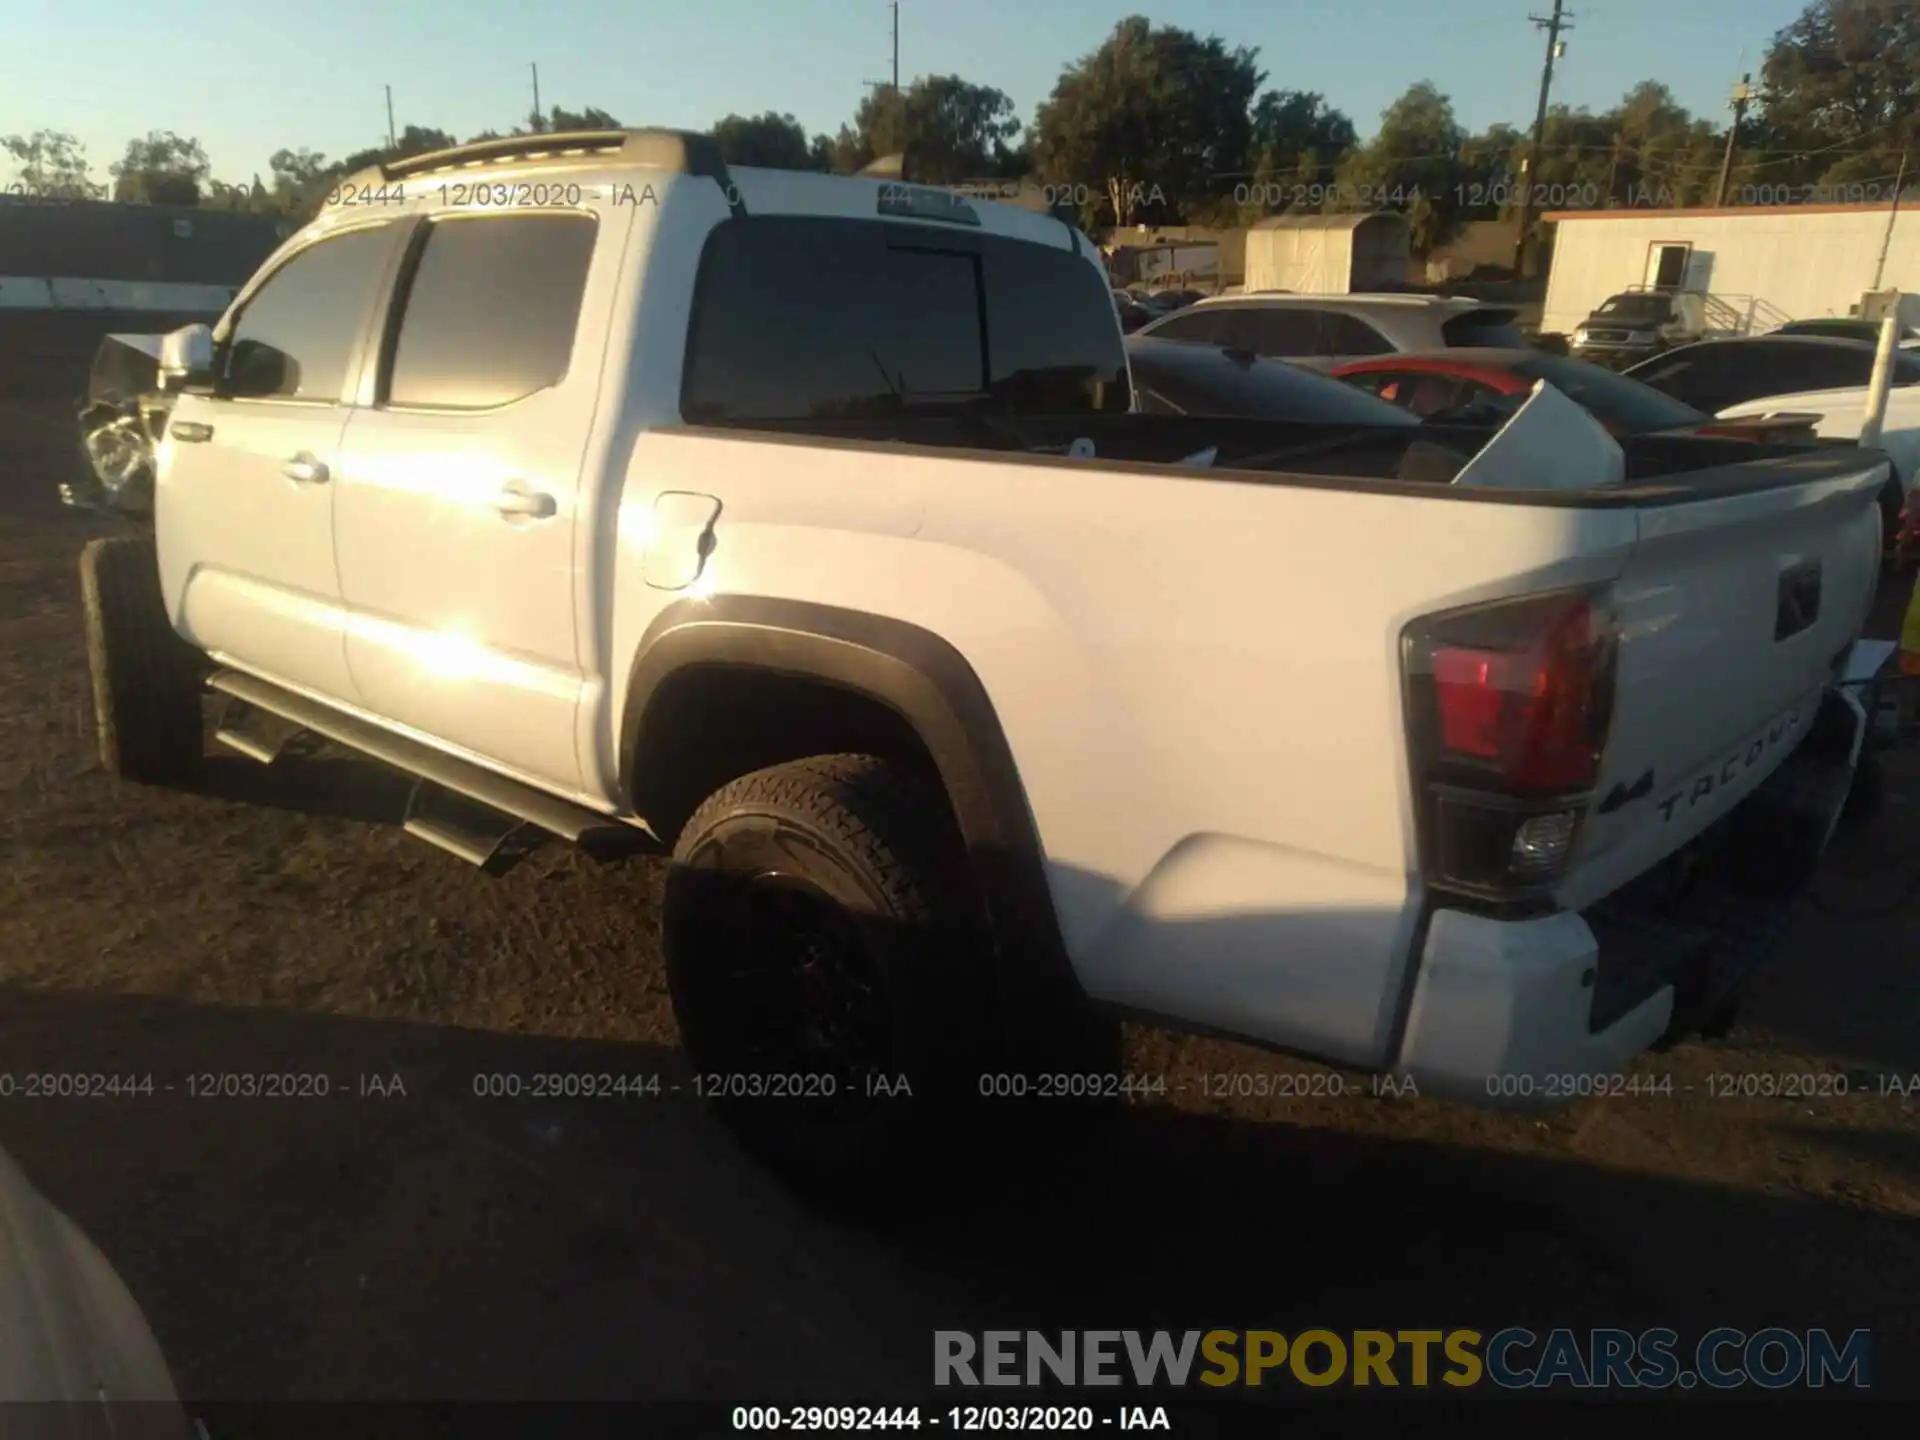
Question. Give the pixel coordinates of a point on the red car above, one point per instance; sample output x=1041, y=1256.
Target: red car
x=1471, y=386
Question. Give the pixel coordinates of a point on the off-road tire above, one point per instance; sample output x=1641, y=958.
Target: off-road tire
x=882, y=844
x=146, y=679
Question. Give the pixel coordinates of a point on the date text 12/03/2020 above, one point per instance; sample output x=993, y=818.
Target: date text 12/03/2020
x=962, y=1419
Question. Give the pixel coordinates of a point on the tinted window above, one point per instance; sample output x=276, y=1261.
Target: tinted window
x=1637, y=309
x=296, y=334
x=1285, y=331
x=1838, y=329
x=490, y=312
x=1425, y=394
x=1618, y=402
x=814, y=318
x=1201, y=326
x=1207, y=382
x=1476, y=402
x=1782, y=369
x=1696, y=375
x=1486, y=329
x=1350, y=335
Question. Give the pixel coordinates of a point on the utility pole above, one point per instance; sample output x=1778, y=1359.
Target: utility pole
x=392, y=142
x=539, y=116
x=894, y=84
x=1554, y=24
x=1899, y=183
x=1742, y=96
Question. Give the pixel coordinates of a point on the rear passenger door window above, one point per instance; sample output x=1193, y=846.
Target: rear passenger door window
x=490, y=310
x=1286, y=332
x=1348, y=335
x=296, y=336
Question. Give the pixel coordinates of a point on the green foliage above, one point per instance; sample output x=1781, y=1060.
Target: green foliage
x=52, y=163
x=1156, y=124
x=776, y=142
x=162, y=169
x=953, y=129
x=1842, y=93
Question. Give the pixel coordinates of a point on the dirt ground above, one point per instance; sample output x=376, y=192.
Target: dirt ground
x=435, y=1245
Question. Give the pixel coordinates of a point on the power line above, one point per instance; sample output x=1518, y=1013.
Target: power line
x=1554, y=24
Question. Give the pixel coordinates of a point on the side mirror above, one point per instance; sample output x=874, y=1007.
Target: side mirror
x=186, y=360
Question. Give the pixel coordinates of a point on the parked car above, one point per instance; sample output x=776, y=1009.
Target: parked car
x=1843, y=328
x=1171, y=378
x=1816, y=376
x=868, y=599
x=77, y=1358
x=1165, y=302
x=1133, y=315
x=1630, y=326
x=1472, y=385
x=1714, y=375
x=1322, y=331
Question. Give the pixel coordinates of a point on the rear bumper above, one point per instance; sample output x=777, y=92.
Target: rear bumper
x=1523, y=1014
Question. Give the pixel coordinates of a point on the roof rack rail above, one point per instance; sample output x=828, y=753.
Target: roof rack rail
x=684, y=152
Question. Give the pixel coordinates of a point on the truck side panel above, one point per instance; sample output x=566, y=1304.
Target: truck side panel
x=1226, y=825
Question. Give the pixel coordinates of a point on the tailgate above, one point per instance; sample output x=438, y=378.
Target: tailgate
x=1733, y=612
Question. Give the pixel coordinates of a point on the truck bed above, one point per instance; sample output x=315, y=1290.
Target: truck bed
x=1418, y=459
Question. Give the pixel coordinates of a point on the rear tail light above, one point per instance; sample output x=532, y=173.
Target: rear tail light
x=1509, y=706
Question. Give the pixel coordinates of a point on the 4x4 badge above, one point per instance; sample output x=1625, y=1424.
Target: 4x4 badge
x=1624, y=795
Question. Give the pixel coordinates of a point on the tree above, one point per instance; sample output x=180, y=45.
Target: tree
x=1152, y=126
x=414, y=140
x=955, y=130
x=298, y=177
x=1842, y=93
x=777, y=142
x=53, y=163
x=1297, y=142
x=587, y=119
x=1414, y=163
x=162, y=169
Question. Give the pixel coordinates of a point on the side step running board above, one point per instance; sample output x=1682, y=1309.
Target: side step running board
x=257, y=734
x=459, y=806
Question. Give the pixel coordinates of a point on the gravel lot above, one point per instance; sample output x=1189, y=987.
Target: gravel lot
x=435, y=1245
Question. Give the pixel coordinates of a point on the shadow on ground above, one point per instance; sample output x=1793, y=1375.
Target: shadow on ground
x=436, y=1244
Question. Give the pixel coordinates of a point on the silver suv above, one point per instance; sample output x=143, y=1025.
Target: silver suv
x=1322, y=331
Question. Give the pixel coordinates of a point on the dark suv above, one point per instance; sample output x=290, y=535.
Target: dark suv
x=1630, y=326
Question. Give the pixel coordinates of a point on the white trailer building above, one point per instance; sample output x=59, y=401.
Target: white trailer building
x=1755, y=267
x=1327, y=254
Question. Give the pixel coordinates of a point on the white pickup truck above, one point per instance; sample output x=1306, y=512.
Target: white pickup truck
x=804, y=526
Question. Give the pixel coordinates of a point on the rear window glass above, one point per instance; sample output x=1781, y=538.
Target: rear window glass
x=1484, y=329
x=1207, y=382
x=807, y=318
x=1628, y=405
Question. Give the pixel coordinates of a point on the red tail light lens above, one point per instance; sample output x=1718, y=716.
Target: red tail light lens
x=1509, y=708
x=1522, y=693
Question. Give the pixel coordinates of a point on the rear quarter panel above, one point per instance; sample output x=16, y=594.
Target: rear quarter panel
x=1199, y=679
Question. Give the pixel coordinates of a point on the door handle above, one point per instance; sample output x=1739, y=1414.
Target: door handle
x=515, y=504
x=303, y=469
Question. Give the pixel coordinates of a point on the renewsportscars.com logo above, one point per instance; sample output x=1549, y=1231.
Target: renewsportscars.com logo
x=1458, y=1358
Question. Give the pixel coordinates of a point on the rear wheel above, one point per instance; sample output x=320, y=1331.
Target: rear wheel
x=146, y=679
x=823, y=951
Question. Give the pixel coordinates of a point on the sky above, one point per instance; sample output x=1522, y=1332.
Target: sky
x=247, y=79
